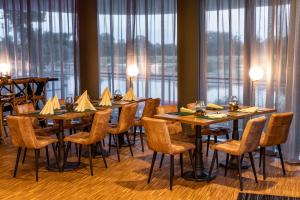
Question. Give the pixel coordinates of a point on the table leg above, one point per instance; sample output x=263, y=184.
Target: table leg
x=2, y=131
x=232, y=164
x=200, y=174
x=62, y=165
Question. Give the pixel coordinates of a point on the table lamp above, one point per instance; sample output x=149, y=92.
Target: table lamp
x=256, y=73
x=132, y=71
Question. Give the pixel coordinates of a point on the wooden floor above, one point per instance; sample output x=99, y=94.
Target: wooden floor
x=128, y=180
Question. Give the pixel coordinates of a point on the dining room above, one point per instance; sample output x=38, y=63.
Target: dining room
x=150, y=99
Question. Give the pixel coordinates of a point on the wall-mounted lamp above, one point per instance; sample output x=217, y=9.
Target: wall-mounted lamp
x=132, y=72
x=256, y=73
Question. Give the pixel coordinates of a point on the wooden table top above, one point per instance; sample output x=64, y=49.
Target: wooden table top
x=192, y=119
x=65, y=115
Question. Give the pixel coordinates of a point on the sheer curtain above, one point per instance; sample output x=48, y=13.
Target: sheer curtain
x=38, y=38
x=141, y=33
x=246, y=33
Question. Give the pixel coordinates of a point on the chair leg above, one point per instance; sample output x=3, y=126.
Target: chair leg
x=191, y=159
x=55, y=153
x=91, y=159
x=260, y=155
x=103, y=141
x=207, y=146
x=17, y=161
x=242, y=158
x=240, y=172
x=37, y=155
x=171, y=170
x=134, y=134
x=264, y=163
x=281, y=158
x=118, y=154
x=103, y=157
x=212, y=162
x=161, y=160
x=109, y=143
x=181, y=164
x=129, y=143
x=253, y=166
x=141, y=136
x=79, y=153
x=47, y=156
x=24, y=155
x=152, y=165
x=226, y=164
x=217, y=158
x=67, y=152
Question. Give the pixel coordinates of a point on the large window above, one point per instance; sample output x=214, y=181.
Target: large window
x=37, y=38
x=141, y=33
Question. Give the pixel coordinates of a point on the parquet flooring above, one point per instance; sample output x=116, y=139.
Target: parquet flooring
x=128, y=179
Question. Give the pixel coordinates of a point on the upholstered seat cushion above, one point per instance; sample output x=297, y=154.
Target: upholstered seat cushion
x=43, y=141
x=181, y=137
x=46, y=131
x=178, y=147
x=80, y=138
x=231, y=146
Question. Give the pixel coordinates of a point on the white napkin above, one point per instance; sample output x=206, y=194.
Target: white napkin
x=84, y=105
x=55, y=102
x=249, y=110
x=129, y=96
x=183, y=109
x=106, y=90
x=85, y=94
x=217, y=116
x=48, y=108
x=105, y=101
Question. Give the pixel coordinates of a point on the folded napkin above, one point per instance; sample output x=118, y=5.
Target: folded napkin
x=84, y=105
x=84, y=95
x=129, y=96
x=48, y=108
x=217, y=116
x=105, y=91
x=55, y=103
x=183, y=109
x=249, y=110
x=214, y=106
x=105, y=101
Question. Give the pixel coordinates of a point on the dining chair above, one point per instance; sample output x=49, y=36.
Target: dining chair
x=275, y=135
x=209, y=131
x=94, y=137
x=158, y=139
x=174, y=127
x=149, y=111
x=126, y=121
x=38, y=129
x=23, y=136
x=248, y=143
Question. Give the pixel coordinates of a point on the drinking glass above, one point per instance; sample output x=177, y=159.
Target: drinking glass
x=200, y=106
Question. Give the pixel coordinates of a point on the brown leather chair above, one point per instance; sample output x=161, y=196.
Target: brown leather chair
x=174, y=127
x=158, y=139
x=23, y=136
x=215, y=131
x=126, y=121
x=275, y=135
x=248, y=144
x=95, y=136
x=149, y=111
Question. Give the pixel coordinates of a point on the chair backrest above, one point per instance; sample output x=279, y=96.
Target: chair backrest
x=278, y=129
x=22, y=132
x=252, y=134
x=127, y=116
x=150, y=107
x=157, y=133
x=174, y=127
x=100, y=125
x=26, y=108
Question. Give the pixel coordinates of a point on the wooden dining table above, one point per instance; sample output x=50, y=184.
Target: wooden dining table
x=62, y=115
x=200, y=173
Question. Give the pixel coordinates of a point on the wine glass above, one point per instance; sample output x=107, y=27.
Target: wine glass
x=200, y=106
x=69, y=103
